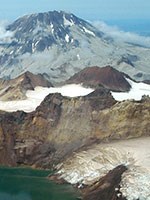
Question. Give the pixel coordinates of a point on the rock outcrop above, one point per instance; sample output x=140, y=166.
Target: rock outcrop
x=107, y=188
x=146, y=81
x=107, y=77
x=41, y=137
x=15, y=89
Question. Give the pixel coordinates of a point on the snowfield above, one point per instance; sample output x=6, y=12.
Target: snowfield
x=36, y=96
x=136, y=92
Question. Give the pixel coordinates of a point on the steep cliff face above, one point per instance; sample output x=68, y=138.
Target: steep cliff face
x=61, y=125
x=8, y=128
x=54, y=123
x=126, y=119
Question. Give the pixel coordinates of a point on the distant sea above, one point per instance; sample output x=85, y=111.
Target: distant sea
x=139, y=26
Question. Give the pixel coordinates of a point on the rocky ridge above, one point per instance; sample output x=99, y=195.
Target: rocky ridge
x=16, y=89
x=107, y=188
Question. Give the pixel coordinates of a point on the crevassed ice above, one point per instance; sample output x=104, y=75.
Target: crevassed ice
x=88, y=166
x=135, y=183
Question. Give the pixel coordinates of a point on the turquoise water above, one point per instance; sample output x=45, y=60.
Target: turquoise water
x=29, y=184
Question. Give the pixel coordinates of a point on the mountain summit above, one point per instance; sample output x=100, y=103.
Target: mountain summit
x=61, y=44
x=40, y=31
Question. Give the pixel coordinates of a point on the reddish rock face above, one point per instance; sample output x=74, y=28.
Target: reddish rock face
x=107, y=188
x=107, y=77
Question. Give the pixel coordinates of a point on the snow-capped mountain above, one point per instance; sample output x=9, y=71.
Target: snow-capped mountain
x=60, y=44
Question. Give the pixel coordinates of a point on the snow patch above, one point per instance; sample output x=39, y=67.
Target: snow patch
x=88, y=31
x=36, y=96
x=52, y=27
x=67, y=38
x=37, y=29
x=67, y=22
x=78, y=57
x=136, y=92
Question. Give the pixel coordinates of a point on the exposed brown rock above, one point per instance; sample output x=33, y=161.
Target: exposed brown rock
x=107, y=188
x=8, y=129
x=61, y=125
x=16, y=88
x=30, y=81
x=44, y=133
x=107, y=77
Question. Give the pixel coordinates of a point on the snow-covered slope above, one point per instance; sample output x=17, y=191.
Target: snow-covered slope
x=136, y=92
x=36, y=96
x=88, y=166
x=60, y=44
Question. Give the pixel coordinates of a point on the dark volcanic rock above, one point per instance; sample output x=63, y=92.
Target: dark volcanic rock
x=100, y=99
x=107, y=77
x=107, y=188
x=146, y=81
x=128, y=59
x=8, y=128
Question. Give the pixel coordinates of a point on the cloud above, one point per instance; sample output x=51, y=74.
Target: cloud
x=119, y=35
x=4, y=34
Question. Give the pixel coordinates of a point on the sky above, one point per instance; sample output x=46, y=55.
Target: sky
x=86, y=9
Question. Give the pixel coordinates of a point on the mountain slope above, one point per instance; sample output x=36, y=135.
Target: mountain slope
x=106, y=76
x=16, y=89
x=61, y=44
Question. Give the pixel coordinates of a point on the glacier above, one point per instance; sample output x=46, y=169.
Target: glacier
x=86, y=167
x=36, y=96
x=136, y=92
